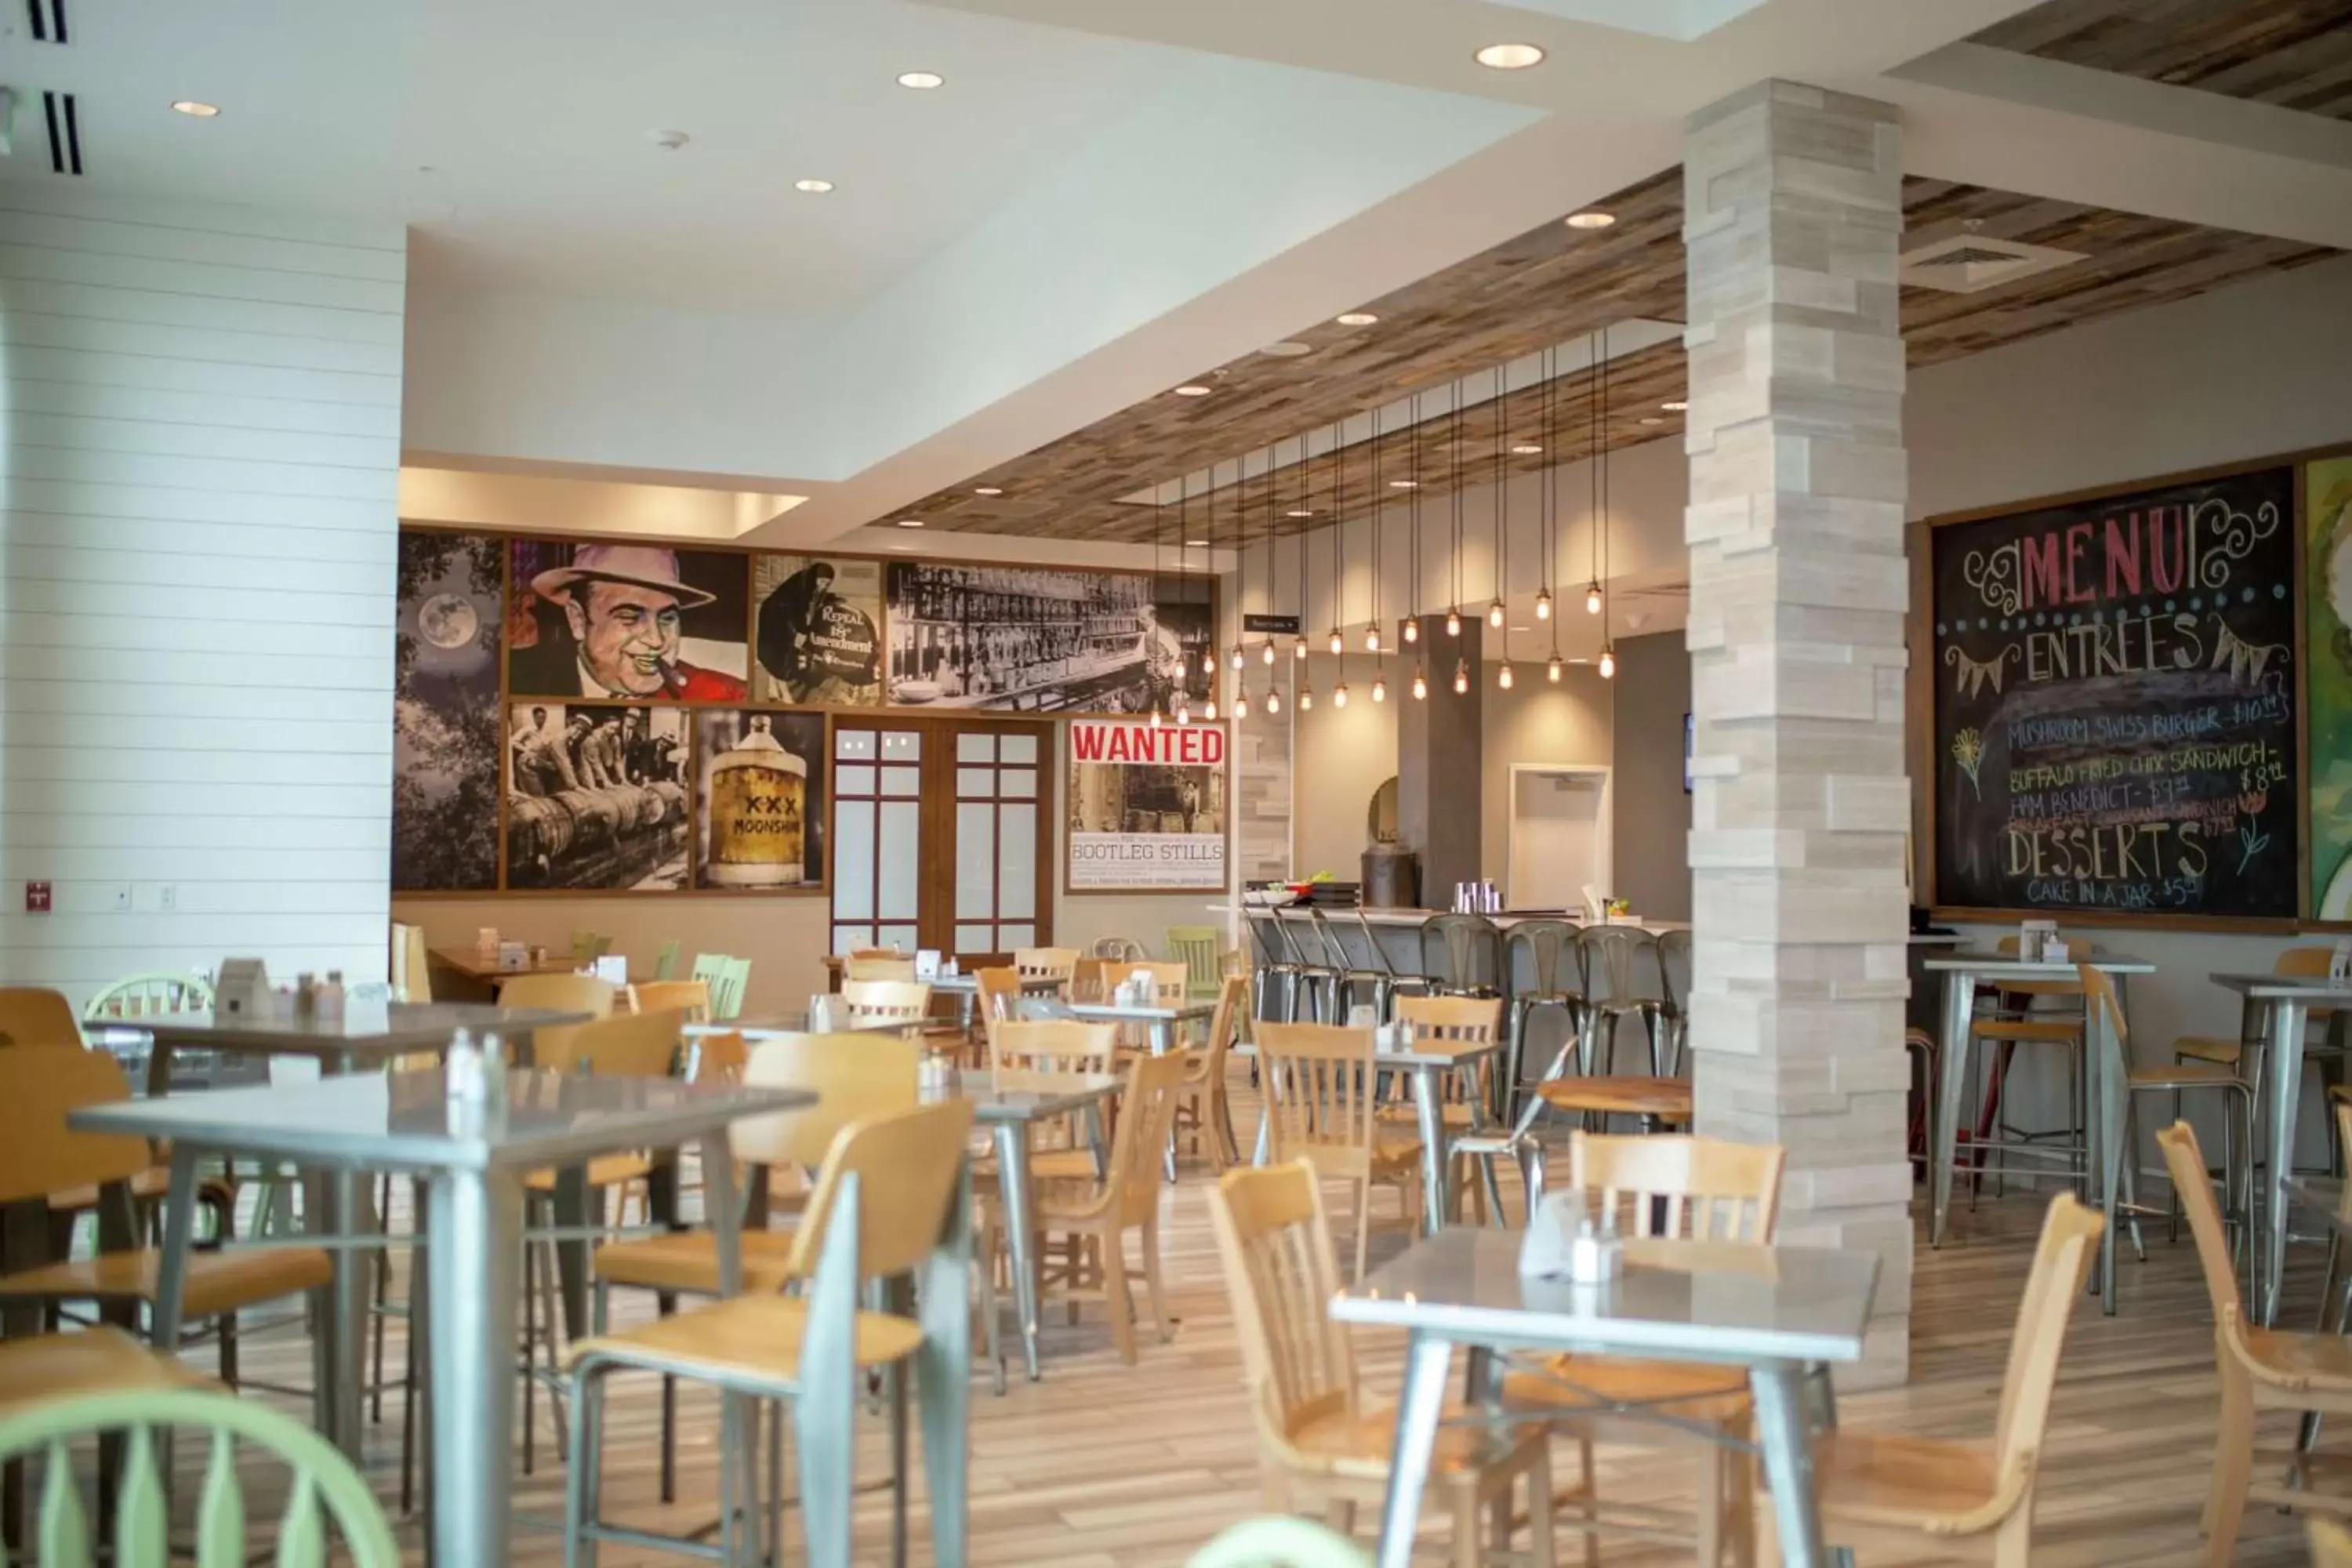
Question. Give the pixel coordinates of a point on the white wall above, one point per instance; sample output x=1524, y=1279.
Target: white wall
x=196, y=544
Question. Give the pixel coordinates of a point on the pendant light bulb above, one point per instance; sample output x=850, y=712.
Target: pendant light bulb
x=1412, y=628
x=1592, y=600
x=1269, y=653
x=1553, y=671
x=1543, y=604
x=1298, y=648
x=1155, y=712
x=1240, y=703
x=1273, y=702
x=1608, y=663
x=1461, y=676
x=1339, y=643
x=1183, y=710
x=1453, y=623
x=1208, y=710
x=1503, y=680
x=1495, y=613
x=1420, y=685
x=1372, y=637
x=1380, y=688
x=1307, y=699
x=1238, y=656
x=1339, y=695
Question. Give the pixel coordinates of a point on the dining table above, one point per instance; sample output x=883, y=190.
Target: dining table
x=1783, y=1313
x=475, y=1159
x=2276, y=1009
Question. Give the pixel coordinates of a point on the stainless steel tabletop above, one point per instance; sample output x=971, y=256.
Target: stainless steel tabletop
x=1121, y=1013
x=2008, y=966
x=1428, y=1052
x=363, y=1030
x=2284, y=987
x=1692, y=1300
x=404, y=1121
x=1028, y=1096
x=2325, y=1197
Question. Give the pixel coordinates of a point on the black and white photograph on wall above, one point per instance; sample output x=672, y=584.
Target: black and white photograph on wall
x=817, y=630
x=628, y=621
x=445, y=707
x=1027, y=639
x=759, y=800
x=1147, y=804
x=596, y=797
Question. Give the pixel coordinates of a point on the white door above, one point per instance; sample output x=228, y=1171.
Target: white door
x=1559, y=836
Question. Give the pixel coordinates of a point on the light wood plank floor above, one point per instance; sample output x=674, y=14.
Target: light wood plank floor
x=1104, y=1464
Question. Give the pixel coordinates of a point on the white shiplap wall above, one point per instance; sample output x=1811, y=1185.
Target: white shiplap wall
x=198, y=529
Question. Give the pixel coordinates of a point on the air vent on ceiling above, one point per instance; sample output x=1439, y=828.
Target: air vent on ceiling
x=64, y=122
x=47, y=19
x=1965, y=263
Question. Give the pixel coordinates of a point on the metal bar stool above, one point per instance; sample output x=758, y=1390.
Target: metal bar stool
x=1351, y=982
x=1613, y=961
x=1274, y=980
x=1397, y=984
x=1462, y=954
x=1549, y=946
x=1673, y=989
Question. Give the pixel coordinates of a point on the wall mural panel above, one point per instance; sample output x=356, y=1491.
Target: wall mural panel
x=445, y=708
x=1031, y=639
x=819, y=633
x=628, y=621
x=596, y=797
x=2327, y=674
x=760, y=799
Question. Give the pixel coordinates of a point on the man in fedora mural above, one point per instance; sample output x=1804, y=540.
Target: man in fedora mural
x=623, y=605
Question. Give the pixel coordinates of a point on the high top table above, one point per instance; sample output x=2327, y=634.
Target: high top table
x=475, y=1162
x=1779, y=1311
x=2277, y=1007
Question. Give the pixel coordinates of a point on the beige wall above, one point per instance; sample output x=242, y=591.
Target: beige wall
x=1341, y=756
x=1653, y=813
x=1535, y=721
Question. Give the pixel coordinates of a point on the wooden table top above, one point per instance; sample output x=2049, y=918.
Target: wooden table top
x=469, y=963
x=1667, y=1099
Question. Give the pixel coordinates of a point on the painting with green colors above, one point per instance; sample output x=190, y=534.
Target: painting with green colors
x=2327, y=700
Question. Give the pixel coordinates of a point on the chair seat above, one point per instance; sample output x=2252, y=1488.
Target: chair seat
x=1358, y=1445
x=2052, y=1031
x=2185, y=1074
x=101, y=1360
x=1689, y=1390
x=1456, y=1114
x=1911, y=1483
x=604, y=1171
x=2206, y=1049
x=747, y=1339
x=217, y=1281
x=688, y=1262
x=2302, y=1361
x=1667, y=1099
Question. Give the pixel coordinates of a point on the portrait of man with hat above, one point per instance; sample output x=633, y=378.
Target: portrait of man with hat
x=622, y=627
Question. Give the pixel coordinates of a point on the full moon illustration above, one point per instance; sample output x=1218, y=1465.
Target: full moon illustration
x=447, y=621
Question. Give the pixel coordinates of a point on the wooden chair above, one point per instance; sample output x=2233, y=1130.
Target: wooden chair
x=1126, y=950
x=2261, y=1369
x=1091, y=1219
x=690, y=998
x=665, y=960
x=1197, y=948
x=728, y=978
x=896, y=966
x=39, y=1154
x=560, y=994
x=323, y=1487
x=886, y=1206
x=1478, y=1019
x=2331, y=1545
x=1046, y=963
x=1320, y=1086
x=1321, y=1446
x=412, y=968
x=870, y=1002
x=1206, y=1112
x=145, y=996
x=588, y=946
x=1968, y=1501
x=1057, y=1046
x=997, y=997
x=1704, y=1189
x=34, y=1016
x=1092, y=978
x=42, y=1370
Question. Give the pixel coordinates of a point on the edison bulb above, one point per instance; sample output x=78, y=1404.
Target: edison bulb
x=1155, y=715
x=1503, y=680
x=1412, y=628
x=1553, y=670
x=1183, y=711
x=1543, y=604
x=1298, y=648
x=1237, y=655
x=1372, y=639
x=1608, y=663
x=1461, y=677
x=1420, y=685
x=1592, y=600
x=1453, y=623
x=1208, y=710
x=1240, y=703
x=1269, y=651
x=1339, y=643
x=1495, y=613
x=1379, y=690
x=1339, y=695
x=1273, y=703
x=1306, y=699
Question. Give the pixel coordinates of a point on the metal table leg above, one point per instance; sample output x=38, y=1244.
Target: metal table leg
x=1960, y=1006
x=1020, y=1232
x=943, y=1382
x=2103, y=1061
x=476, y=1219
x=1428, y=1109
x=342, y=1207
x=2285, y=1052
x=1163, y=1040
x=1788, y=1455
x=1427, y=1360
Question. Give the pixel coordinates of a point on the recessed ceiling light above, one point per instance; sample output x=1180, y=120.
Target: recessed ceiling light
x=1676, y=406
x=1191, y=389
x=921, y=81
x=987, y=490
x=1286, y=349
x=1509, y=57
x=1356, y=319
x=1589, y=220
x=1196, y=544
x=813, y=187
x=1405, y=484
x=1526, y=449
x=196, y=110
x=1299, y=511
x=911, y=522
x=1650, y=419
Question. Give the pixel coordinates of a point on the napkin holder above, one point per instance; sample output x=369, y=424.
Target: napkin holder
x=241, y=990
x=1561, y=1243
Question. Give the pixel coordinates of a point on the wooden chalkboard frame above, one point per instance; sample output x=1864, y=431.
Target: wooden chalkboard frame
x=1919, y=707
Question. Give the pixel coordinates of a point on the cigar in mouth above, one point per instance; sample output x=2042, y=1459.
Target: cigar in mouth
x=672, y=681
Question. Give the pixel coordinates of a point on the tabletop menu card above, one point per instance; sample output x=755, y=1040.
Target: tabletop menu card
x=2114, y=717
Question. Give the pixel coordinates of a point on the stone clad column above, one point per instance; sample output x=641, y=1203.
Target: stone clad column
x=1793, y=219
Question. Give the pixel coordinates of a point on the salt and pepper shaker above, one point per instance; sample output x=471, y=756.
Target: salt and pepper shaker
x=1596, y=1256
x=935, y=1076
x=463, y=1078
x=331, y=998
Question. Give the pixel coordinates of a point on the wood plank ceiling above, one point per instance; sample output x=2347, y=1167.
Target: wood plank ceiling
x=1550, y=286
x=2297, y=54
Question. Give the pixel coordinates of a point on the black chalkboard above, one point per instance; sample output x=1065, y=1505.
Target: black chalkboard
x=2115, y=692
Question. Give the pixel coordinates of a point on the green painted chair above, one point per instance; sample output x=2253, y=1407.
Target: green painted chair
x=144, y=996
x=730, y=1006
x=325, y=1496
x=1279, y=1542
x=665, y=961
x=588, y=946
x=1195, y=947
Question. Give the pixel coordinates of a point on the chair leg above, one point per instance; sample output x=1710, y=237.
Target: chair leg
x=382, y=1297
x=580, y=1501
x=1117, y=1297
x=1588, y=1502
x=1161, y=1322
x=1364, y=1223
x=2233, y=1463
x=529, y=1356
x=1469, y=1541
x=898, y=1465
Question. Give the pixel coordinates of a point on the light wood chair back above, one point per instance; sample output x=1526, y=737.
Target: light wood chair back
x=665, y=960
x=627, y=1044
x=2193, y=1188
x=1092, y=978
x=2077, y=949
x=2099, y=993
x=412, y=970
x=560, y=994
x=852, y=1076
x=876, y=953
x=2331, y=1544
x=1225, y=1028
x=720, y=1058
x=1046, y=963
x=33, y=1016
x=1054, y=1045
x=39, y=1154
x=1320, y=1087
x=1281, y=1269
x=999, y=993
x=321, y=1488
x=2308, y=964
x=691, y=998
x=2062, y=1262
x=1478, y=1019
x=1680, y=1185
x=1171, y=980
x=897, y=967
x=886, y=1001
x=147, y=996
x=1147, y=1111
x=908, y=1162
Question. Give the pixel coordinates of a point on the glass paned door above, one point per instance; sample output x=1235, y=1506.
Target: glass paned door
x=877, y=838
x=997, y=827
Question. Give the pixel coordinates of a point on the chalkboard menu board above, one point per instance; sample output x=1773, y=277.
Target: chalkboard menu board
x=2114, y=722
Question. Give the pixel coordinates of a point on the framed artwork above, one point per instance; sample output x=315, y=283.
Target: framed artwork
x=628, y=622
x=817, y=630
x=759, y=800
x=445, y=711
x=1034, y=639
x=1148, y=808
x=596, y=797
x=2327, y=683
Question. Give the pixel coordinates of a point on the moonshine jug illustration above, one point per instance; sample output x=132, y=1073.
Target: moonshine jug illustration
x=758, y=791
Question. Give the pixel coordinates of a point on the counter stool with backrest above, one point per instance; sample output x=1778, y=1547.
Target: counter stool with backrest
x=1553, y=980
x=1276, y=977
x=1462, y=954
x=1395, y=984
x=1622, y=976
x=1675, y=971
x=1368, y=983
